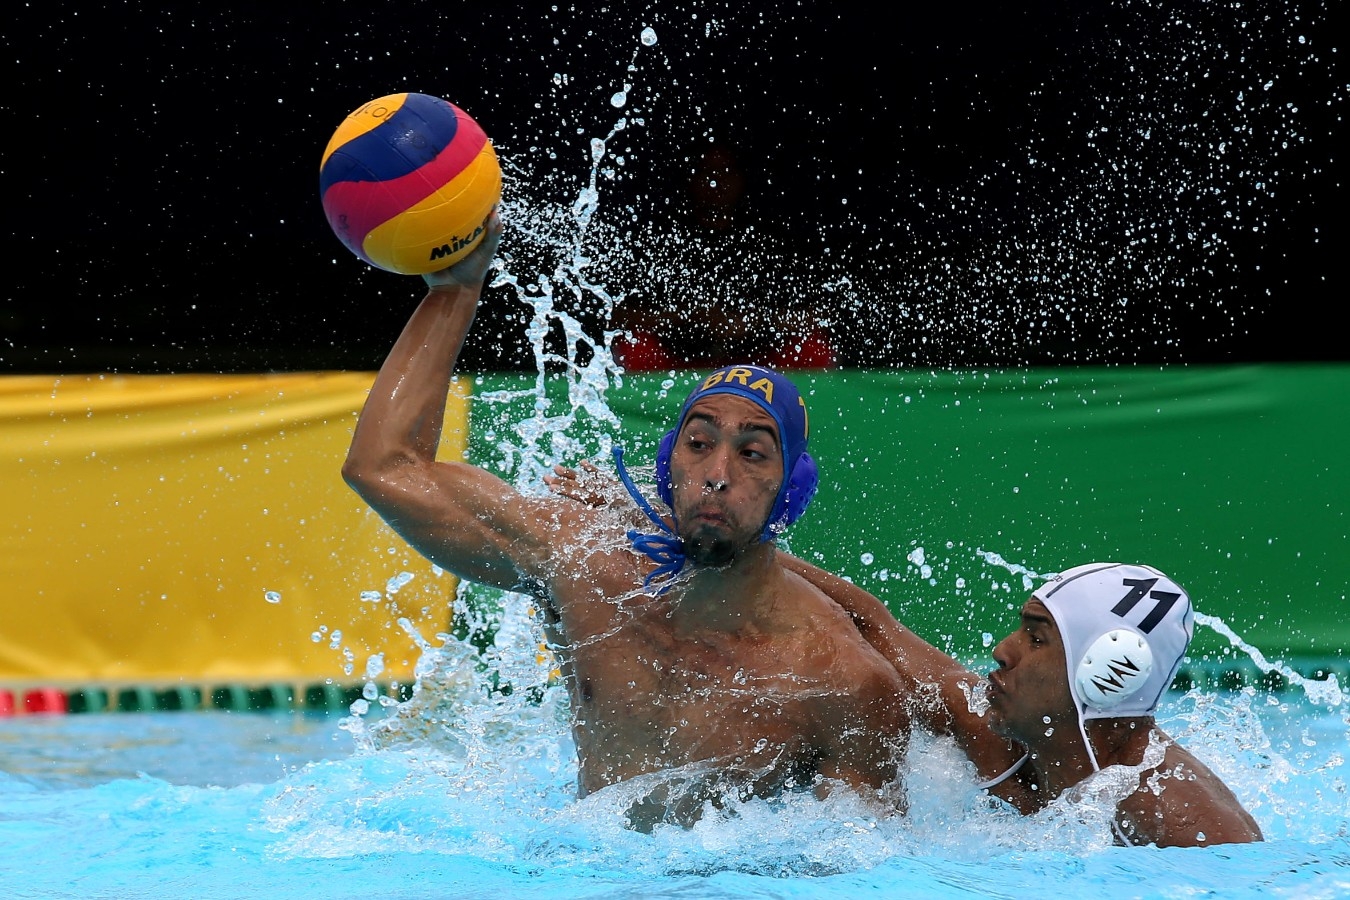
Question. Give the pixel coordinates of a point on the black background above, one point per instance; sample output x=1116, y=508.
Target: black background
x=1049, y=182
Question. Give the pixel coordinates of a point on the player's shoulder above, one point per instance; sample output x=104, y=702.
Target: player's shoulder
x=827, y=626
x=1182, y=802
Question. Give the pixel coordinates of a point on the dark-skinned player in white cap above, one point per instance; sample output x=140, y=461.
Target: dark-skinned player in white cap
x=1074, y=694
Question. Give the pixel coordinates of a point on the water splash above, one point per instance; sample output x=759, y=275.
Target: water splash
x=1325, y=692
x=1145, y=174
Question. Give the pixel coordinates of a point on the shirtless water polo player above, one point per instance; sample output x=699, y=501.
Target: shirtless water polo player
x=689, y=650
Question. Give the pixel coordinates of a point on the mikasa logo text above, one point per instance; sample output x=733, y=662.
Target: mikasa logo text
x=458, y=244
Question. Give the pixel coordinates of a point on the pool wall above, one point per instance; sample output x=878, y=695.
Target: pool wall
x=181, y=541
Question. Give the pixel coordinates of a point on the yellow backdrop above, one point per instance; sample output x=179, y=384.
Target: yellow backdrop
x=197, y=528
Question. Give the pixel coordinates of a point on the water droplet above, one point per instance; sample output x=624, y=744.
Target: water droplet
x=648, y=37
x=977, y=696
x=375, y=665
x=272, y=596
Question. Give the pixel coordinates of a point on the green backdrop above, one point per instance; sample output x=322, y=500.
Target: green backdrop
x=946, y=493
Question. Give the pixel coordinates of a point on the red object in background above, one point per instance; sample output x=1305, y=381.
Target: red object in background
x=6, y=703
x=45, y=700
x=814, y=352
x=643, y=352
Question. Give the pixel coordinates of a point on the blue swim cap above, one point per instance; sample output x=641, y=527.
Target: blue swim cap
x=780, y=398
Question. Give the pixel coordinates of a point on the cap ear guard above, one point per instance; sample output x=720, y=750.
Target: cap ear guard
x=801, y=488
x=1114, y=668
x=664, y=490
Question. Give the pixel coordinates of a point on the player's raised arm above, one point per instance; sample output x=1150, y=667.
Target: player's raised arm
x=459, y=516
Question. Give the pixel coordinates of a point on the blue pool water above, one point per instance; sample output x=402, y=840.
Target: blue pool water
x=460, y=793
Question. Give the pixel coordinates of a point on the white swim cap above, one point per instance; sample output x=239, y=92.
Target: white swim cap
x=1125, y=629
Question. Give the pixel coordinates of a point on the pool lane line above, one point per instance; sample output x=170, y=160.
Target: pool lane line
x=317, y=697
x=338, y=698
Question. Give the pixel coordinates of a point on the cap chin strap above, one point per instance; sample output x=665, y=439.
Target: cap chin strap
x=664, y=548
x=1087, y=741
x=1116, y=829
x=993, y=782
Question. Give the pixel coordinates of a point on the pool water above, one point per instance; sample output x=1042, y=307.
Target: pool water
x=462, y=792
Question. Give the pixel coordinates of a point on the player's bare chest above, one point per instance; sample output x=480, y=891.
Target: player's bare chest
x=648, y=670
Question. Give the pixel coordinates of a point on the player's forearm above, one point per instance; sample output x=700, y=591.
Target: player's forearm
x=405, y=411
